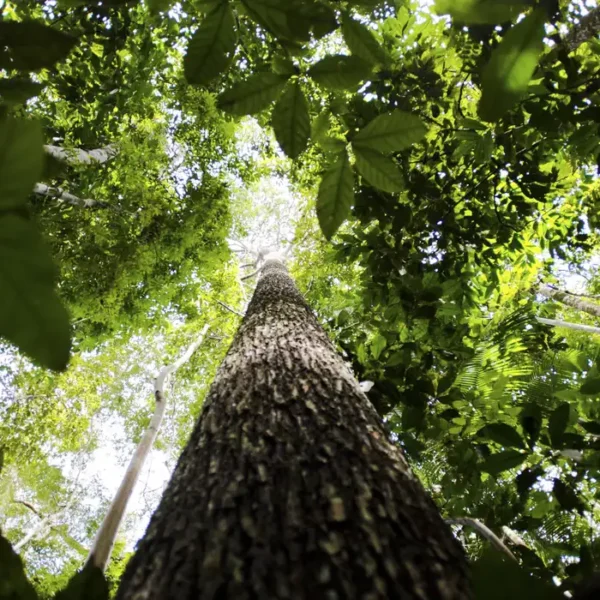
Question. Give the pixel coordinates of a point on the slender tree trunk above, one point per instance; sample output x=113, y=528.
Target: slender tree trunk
x=289, y=487
x=574, y=326
x=107, y=534
x=574, y=301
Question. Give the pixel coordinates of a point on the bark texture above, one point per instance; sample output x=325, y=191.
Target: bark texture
x=574, y=301
x=289, y=487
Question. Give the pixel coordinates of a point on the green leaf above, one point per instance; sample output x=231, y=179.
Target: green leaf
x=212, y=47
x=506, y=76
x=21, y=160
x=502, y=434
x=481, y=11
x=591, y=386
x=31, y=314
x=567, y=497
x=283, y=65
x=496, y=577
x=335, y=197
x=391, y=132
x=380, y=171
x=18, y=90
x=340, y=72
x=557, y=423
x=291, y=121
x=157, y=6
x=253, y=95
x=32, y=46
x=502, y=461
x=283, y=19
x=87, y=584
x=14, y=584
x=378, y=345
x=592, y=427
x=361, y=41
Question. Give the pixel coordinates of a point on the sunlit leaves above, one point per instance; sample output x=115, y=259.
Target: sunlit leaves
x=291, y=121
x=32, y=46
x=21, y=160
x=361, y=41
x=211, y=48
x=253, y=95
x=336, y=193
x=391, y=132
x=340, y=72
x=31, y=314
x=506, y=76
x=481, y=11
x=379, y=170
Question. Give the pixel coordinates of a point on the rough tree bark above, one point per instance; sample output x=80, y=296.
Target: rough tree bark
x=574, y=301
x=289, y=487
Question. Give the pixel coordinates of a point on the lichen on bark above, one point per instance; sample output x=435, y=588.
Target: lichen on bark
x=289, y=486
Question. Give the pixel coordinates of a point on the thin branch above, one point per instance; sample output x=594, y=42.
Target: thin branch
x=566, y=324
x=29, y=506
x=485, y=532
x=105, y=538
x=77, y=156
x=232, y=310
x=249, y=276
x=41, y=189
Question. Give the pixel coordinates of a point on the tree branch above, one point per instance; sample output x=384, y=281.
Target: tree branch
x=105, y=538
x=225, y=306
x=77, y=156
x=485, y=532
x=574, y=326
x=41, y=189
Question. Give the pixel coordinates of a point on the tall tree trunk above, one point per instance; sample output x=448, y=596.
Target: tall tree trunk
x=289, y=487
x=574, y=301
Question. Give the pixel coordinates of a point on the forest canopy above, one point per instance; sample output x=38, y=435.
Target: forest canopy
x=429, y=170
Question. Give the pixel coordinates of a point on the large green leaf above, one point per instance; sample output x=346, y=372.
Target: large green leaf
x=336, y=193
x=506, y=76
x=14, y=584
x=557, y=423
x=496, y=577
x=502, y=434
x=31, y=314
x=361, y=41
x=567, y=496
x=87, y=584
x=379, y=170
x=18, y=90
x=283, y=18
x=291, y=121
x=590, y=387
x=481, y=11
x=21, y=160
x=390, y=132
x=253, y=95
x=340, y=72
x=502, y=461
x=32, y=46
x=211, y=48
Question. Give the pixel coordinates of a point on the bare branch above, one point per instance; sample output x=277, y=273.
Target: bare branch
x=77, y=156
x=574, y=326
x=232, y=310
x=249, y=276
x=41, y=189
x=29, y=506
x=484, y=531
x=105, y=538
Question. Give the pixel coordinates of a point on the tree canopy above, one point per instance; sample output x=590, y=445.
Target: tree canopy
x=429, y=170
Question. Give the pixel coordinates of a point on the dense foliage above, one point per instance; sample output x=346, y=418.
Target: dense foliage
x=430, y=169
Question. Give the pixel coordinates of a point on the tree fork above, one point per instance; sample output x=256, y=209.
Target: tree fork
x=289, y=486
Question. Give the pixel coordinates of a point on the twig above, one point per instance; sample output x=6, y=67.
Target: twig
x=249, y=276
x=29, y=506
x=225, y=306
